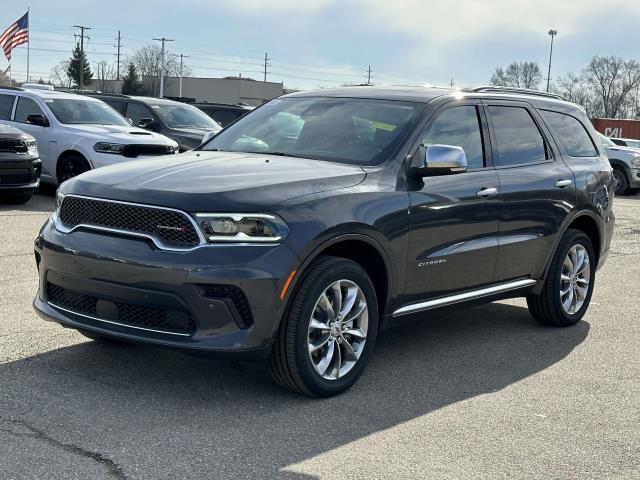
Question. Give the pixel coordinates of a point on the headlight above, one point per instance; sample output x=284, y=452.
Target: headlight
x=635, y=161
x=59, y=198
x=242, y=227
x=103, y=147
x=31, y=144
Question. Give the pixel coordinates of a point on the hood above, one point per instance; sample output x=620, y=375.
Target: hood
x=209, y=181
x=625, y=151
x=120, y=134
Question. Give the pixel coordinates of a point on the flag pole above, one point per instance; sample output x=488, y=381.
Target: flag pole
x=28, y=41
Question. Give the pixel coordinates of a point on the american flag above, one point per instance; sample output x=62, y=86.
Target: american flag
x=16, y=34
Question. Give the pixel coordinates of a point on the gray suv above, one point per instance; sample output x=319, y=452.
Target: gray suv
x=20, y=165
x=316, y=221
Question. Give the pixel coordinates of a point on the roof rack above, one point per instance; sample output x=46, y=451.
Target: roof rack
x=522, y=91
x=13, y=88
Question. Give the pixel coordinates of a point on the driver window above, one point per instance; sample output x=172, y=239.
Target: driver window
x=26, y=107
x=459, y=127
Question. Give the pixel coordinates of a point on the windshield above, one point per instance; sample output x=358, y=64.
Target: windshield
x=185, y=116
x=605, y=141
x=346, y=130
x=85, y=111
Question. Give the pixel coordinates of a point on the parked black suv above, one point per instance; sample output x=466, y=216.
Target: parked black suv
x=222, y=113
x=179, y=121
x=20, y=165
x=305, y=228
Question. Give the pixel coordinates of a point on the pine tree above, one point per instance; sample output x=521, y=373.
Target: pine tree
x=130, y=84
x=73, y=70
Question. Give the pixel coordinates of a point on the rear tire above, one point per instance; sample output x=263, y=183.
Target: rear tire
x=71, y=166
x=567, y=290
x=328, y=333
x=621, y=183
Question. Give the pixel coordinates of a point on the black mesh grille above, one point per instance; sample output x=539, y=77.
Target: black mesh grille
x=15, y=178
x=12, y=145
x=172, y=229
x=155, y=318
x=235, y=295
x=132, y=151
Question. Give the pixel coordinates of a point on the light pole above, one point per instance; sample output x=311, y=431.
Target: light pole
x=552, y=33
x=163, y=40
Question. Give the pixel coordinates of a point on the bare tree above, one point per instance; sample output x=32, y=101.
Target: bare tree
x=60, y=75
x=5, y=81
x=147, y=63
x=105, y=74
x=575, y=88
x=613, y=80
x=518, y=74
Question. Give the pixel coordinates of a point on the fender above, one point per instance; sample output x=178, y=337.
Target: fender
x=565, y=226
x=620, y=164
x=310, y=257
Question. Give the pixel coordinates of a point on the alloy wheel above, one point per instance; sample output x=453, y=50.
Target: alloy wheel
x=338, y=329
x=575, y=279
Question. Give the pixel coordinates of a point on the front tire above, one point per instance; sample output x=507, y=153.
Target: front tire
x=328, y=333
x=620, y=182
x=569, y=284
x=71, y=166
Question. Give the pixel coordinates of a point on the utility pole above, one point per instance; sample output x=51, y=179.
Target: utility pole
x=163, y=40
x=552, y=33
x=266, y=64
x=118, y=46
x=369, y=75
x=82, y=29
x=180, y=88
x=452, y=83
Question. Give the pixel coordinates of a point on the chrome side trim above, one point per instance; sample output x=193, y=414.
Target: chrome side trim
x=462, y=297
x=55, y=305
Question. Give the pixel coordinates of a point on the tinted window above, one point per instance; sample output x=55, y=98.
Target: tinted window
x=347, y=130
x=460, y=127
x=518, y=138
x=224, y=117
x=117, y=105
x=571, y=133
x=6, y=105
x=137, y=111
x=26, y=106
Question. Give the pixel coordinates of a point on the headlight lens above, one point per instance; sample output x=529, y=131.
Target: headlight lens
x=59, y=198
x=104, y=147
x=242, y=227
x=31, y=144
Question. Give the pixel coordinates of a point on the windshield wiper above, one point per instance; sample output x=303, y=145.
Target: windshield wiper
x=278, y=154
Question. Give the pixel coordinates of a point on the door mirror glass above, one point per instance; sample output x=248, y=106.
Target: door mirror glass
x=442, y=160
x=39, y=120
x=147, y=123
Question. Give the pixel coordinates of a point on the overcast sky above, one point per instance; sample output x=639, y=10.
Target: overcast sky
x=324, y=43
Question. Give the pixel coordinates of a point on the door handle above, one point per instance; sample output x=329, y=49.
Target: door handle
x=563, y=183
x=486, y=192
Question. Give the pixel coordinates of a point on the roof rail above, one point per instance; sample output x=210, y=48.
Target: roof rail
x=13, y=88
x=521, y=91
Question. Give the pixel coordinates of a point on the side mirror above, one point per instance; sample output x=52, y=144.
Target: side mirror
x=147, y=124
x=442, y=160
x=39, y=120
x=209, y=135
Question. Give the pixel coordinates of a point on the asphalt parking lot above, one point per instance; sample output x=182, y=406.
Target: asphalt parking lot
x=481, y=393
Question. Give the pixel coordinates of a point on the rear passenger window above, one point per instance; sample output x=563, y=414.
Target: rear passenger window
x=6, y=106
x=518, y=138
x=459, y=127
x=571, y=134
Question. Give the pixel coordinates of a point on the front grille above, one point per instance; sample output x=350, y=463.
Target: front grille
x=12, y=145
x=15, y=177
x=171, y=228
x=129, y=314
x=235, y=296
x=132, y=151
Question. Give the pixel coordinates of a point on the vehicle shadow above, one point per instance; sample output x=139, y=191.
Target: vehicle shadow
x=152, y=410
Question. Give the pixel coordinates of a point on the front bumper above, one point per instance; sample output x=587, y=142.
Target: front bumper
x=93, y=281
x=98, y=159
x=634, y=177
x=20, y=175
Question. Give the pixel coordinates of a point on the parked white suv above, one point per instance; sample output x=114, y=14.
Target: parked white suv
x=626, y=166
x=76, y=133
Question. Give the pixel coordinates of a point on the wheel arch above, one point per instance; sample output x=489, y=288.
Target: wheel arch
x=358, y=248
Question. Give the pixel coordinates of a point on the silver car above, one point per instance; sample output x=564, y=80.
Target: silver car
x=626, y=166
x=19, y=165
